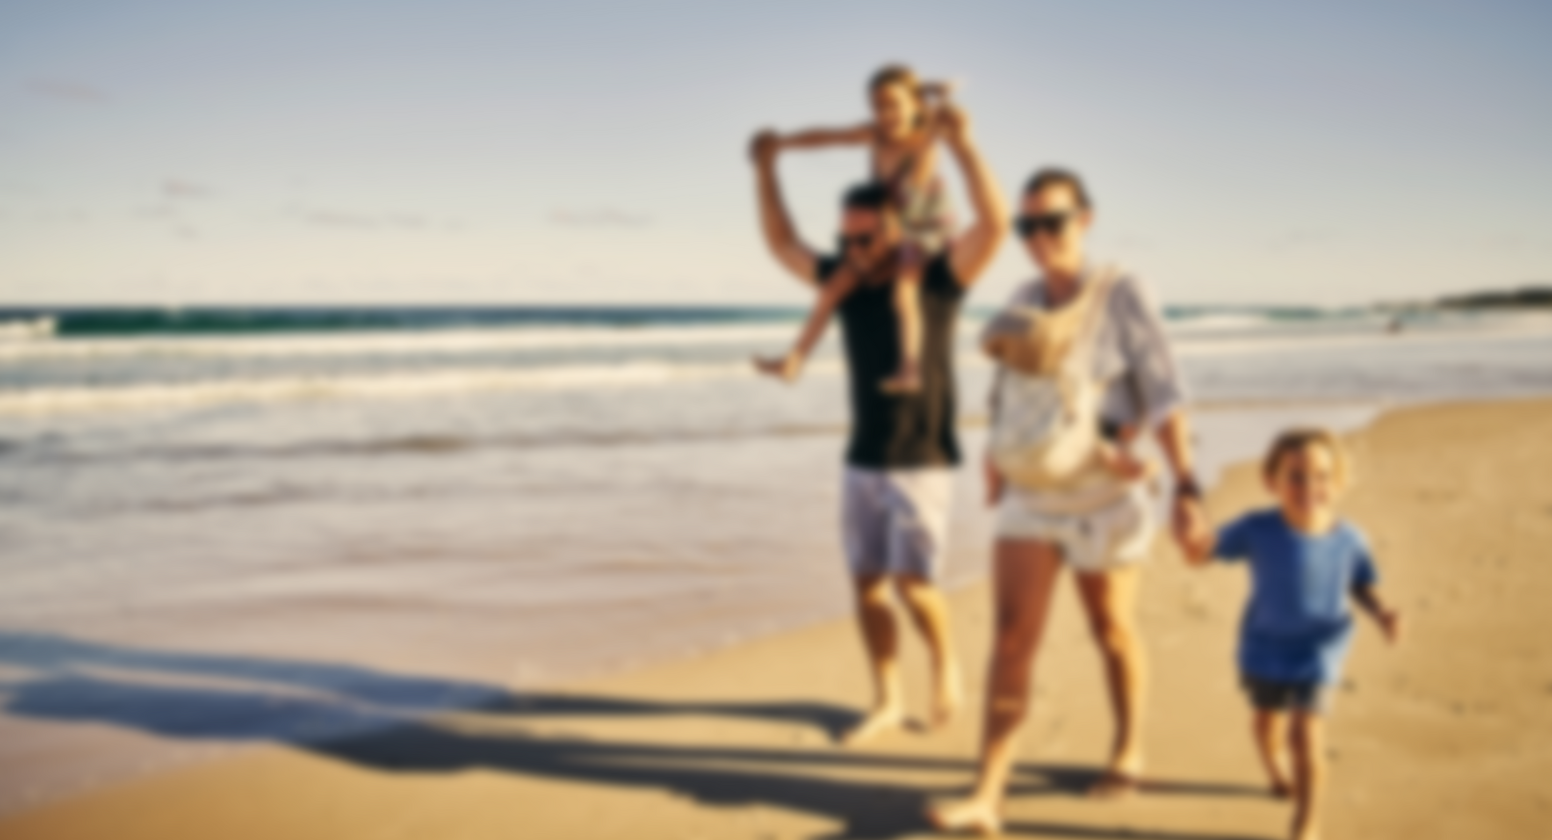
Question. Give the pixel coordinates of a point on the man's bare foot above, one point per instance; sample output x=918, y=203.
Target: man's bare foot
x=874, y=723
x=786, y=368
x=947, y=697
x=965, y=815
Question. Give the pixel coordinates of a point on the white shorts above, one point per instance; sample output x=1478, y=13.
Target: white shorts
x=1113, y=534
x=895, y=521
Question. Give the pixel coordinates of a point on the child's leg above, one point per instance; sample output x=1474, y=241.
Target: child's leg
x=789, y=366
x=1307, y=737
x=1271, y=726
x=907, y=301
x=1121, y=462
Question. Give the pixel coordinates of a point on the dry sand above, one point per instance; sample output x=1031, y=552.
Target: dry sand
x=1449, y=735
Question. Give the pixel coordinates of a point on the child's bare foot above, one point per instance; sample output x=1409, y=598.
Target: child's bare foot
x=874, y=723
x=1121, y=779
x=907, y=380
x=965, y=815
x=786, y=368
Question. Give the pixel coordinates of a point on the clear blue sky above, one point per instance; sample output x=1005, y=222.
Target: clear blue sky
x=184, y=151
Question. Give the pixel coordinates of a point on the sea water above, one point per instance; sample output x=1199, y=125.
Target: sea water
x=213, y=512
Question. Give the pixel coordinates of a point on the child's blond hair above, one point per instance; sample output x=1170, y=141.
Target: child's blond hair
x=1296, y=440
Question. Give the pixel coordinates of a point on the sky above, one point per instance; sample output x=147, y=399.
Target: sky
x=180, y=152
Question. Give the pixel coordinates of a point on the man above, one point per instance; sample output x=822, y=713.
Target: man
x=903, y=449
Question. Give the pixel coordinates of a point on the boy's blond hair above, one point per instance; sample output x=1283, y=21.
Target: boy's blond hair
x=1295, y=440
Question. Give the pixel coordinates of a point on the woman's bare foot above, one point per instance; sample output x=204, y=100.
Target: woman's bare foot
x=965, y=815
x=1280, y=789
x=874, y=723
x=786, y=368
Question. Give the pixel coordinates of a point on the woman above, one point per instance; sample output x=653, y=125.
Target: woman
x=1038, y=531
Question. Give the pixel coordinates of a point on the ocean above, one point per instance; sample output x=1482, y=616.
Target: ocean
x=483, y=498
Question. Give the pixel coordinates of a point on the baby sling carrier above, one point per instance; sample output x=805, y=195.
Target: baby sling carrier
x=1045, y=424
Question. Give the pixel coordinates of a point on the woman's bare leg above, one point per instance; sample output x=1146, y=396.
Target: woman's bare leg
x=907, y=301
x=1110, y=601
x=1271, y=731
x=1024, y=576
x=1309, y=773
x=788, y=367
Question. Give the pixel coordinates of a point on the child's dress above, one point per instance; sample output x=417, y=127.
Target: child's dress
x=926, y=216
x=1298, y=624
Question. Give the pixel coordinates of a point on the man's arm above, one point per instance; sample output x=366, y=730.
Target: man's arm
x=973, y=249
x=816, y=138
x=780, y=235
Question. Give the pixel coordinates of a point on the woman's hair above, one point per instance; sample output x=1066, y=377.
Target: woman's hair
x=1055, y=176
x=1296, y=440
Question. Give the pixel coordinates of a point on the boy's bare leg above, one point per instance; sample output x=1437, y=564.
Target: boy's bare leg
x=930, y=612
x=1110, y=602
x=1271, y=732
x=789, y=367
x=1024, y=577
x=907, y=300
x=1309, y=773
x=880, y=640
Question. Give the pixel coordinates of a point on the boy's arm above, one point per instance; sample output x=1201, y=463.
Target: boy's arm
x=1387, y=617
x=972, y=251
x=781, y=237
x=818, y=138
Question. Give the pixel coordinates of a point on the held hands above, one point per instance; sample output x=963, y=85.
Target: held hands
x=1188, y=521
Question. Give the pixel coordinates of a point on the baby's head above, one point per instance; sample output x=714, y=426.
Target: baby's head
x=1306, y=470
x=897, y=100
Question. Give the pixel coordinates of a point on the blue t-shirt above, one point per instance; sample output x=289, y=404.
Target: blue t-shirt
x=1297, y=626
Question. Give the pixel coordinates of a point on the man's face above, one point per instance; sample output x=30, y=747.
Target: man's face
x=867, y=237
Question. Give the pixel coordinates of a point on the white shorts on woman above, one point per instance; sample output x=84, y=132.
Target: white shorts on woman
x=1102, y=527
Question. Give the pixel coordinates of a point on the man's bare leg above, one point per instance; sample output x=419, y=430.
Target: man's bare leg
x=880, y=641
x=1271, y=732
x=929, y=610
x=1024, y=576
x=1110, y=601
x=1309, y=773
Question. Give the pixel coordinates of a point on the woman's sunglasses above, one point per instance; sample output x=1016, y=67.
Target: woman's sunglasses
x=1051, y=223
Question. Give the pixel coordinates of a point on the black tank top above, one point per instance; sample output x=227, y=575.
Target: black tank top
x=900, y=431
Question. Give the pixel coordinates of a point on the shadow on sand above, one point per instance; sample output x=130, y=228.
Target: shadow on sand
x=386, y=722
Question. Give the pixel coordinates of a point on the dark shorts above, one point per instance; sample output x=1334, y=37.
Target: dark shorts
x=1270, y=695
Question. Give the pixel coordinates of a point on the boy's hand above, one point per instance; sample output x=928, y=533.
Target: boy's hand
x=1390, y=624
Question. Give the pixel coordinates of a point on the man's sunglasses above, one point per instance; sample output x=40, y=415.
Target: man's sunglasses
x=861, y=240
x=1051, y=223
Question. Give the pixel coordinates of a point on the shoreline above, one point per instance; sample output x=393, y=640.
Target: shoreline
x=651, y=743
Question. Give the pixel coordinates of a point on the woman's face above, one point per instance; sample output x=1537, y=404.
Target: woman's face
x=895, y=110
x=1057, y=243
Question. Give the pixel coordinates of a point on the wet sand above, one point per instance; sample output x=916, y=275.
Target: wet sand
x=1449, y=735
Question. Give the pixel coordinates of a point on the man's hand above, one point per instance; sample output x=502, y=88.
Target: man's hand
x=955, y=124
x=764, y=146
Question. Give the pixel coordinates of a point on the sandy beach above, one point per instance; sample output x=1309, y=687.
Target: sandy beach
x=1449, y=735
